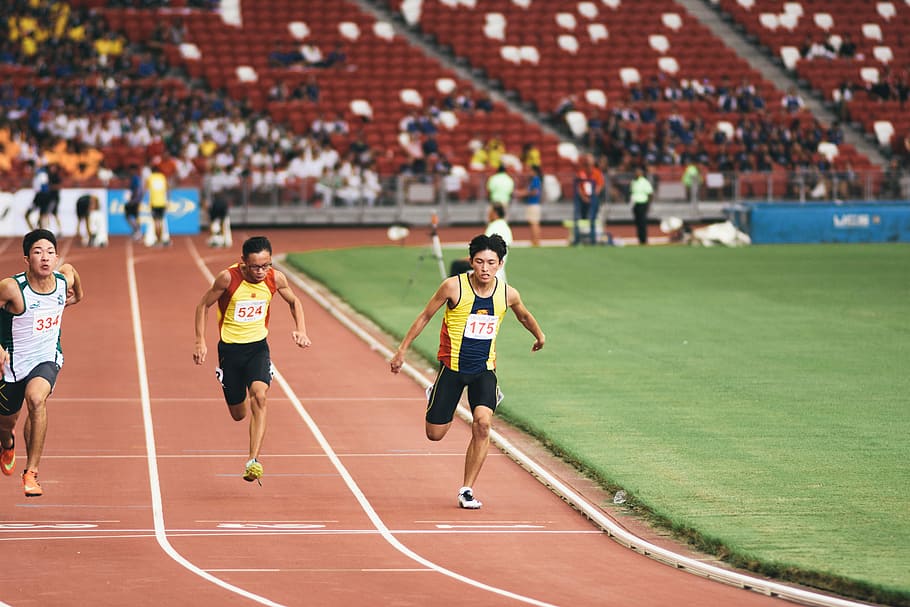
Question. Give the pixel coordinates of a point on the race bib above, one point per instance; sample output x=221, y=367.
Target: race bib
x=44, y=323
x=481, y=326
x=250, y=311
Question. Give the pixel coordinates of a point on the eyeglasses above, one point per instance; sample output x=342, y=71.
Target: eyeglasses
x=261, y=268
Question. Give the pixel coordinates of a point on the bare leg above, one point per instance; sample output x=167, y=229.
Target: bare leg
x=436, y=432
x=7, y=425
x=479, y=445
x=535, y=234
x=35, y=429
x=258, y=410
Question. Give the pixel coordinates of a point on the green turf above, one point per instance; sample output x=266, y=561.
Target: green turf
x=756, y=399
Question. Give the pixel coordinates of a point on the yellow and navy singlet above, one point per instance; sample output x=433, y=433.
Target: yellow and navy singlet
x=467, y=340
x=243, y=308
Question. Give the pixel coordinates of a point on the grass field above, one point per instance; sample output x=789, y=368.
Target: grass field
x=754, y=399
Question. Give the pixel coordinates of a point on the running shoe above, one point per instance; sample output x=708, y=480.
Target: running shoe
x=8, y=458
x=31, y=485
x=253, y=471
x=467, y=500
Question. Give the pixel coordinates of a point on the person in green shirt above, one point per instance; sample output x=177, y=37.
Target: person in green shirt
x=691, y=179
x=640, y=192
x=500, y=186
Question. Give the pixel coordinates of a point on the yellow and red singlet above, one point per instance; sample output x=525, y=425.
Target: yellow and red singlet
x=243, y=308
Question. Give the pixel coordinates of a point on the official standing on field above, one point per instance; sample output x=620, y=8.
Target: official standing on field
x=640, y=191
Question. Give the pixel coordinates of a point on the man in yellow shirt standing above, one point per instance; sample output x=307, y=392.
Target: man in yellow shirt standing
x=156, y=184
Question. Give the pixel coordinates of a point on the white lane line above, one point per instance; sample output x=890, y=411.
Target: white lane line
x=355, y=489
x=592, y=512
x=154, y=481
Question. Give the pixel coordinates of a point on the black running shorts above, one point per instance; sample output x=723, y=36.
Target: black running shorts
x=12, y=394
x=448, y=388
x=239, y=365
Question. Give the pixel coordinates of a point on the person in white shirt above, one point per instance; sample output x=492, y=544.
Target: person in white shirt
x=497, y=224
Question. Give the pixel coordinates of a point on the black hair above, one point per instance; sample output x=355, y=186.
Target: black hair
x=493, y=242
x=34, y=236
x=256, y=244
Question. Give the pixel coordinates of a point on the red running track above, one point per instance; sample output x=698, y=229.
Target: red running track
x=144, y=504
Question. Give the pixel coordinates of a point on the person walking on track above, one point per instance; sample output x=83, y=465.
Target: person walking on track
x=156, y=184
x=476, y=302
x=31, y=313
x=244, y=294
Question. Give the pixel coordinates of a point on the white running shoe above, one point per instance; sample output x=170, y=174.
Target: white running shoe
x=467, y=500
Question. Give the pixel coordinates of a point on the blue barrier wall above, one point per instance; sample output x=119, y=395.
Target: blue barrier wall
x=824, y=222
x=182, y=211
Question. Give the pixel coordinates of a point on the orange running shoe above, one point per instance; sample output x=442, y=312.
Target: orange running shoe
x=31, y=485
x=8, y=459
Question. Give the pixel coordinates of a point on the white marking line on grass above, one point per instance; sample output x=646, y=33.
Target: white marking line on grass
x=154, y=481
x=614, y=530
x=358, y=494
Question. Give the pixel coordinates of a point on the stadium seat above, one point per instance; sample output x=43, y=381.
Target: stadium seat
x=445, y=85
x=872, y=31
x=597, y=31
x=869, y=74
x=596, y=97
x=793, y=8
x=245, y=73
x=510, y=53
x=824, y=21
x=886, y=10
x=668, y=65
x=587, y=10
x=384, y=30
x=299, y=30
x=411, y=11
x=828, y=150
x=883, y=54
x=530, y=54
x=569, y=151
x=411, y=97
x=672, y=21
x=568, y=43
x=362, y=107
x=190, y=51
x=790, y=56
x=769, y=21
x=577, y=123
x=659, y=43
x=566, y=21
x=788, y=21
x=494, y=27
x=629, y=76
x=349, y=30
x=448, y=120
x=884, y=131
